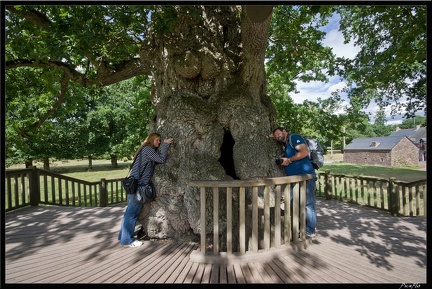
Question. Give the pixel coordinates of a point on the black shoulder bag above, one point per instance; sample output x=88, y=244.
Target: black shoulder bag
x=130, y=184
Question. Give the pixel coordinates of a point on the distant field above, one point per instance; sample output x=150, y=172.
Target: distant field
x=333, y=157
x=101, y=169
x=334, y=163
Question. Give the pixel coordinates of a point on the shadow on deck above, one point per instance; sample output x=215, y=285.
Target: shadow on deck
x=354, y=244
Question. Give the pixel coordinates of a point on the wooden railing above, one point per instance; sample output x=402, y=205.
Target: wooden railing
x=258, y=231
x=398, y=197
x=33, y=186
x=267, y=230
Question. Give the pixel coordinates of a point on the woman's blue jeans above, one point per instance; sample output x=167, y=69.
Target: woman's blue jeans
x=130, y=217
x=310, y=205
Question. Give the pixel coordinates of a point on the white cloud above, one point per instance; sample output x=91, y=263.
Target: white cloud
x=336, y=86
x=334, y=39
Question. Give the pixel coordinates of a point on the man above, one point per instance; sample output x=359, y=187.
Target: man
x=296, y=162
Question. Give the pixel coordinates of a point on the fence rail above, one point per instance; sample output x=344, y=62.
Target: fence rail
x=250, y=225
x=34, y=187
x=236, y=217
x=398, y=197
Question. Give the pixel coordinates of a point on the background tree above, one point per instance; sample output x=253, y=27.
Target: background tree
x=413, y=122
x=379, y=126
x=391, y=64
x=132, y=110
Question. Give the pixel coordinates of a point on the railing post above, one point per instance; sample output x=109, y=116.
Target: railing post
x=393, y=198
x=425, y=201
x=103, y=193
x=229, y=220
x=242, y=220
x=203, y=220
x=327, y=185
x=34, y=187
x=215, y=220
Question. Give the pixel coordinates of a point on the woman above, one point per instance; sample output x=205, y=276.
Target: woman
x=143, y=168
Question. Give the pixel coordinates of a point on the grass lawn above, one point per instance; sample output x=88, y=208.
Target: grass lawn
x=406, y=174
x=103, y=169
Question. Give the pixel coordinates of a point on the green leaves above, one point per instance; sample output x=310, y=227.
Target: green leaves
x=392, y=59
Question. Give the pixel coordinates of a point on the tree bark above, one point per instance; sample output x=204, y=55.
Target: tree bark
x=90, y=163
x=114, y=161
x=46, y=163
x=209, y=94
x=28, y=163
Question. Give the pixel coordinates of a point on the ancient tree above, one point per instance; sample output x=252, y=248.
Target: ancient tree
x=209, y=93
x=206, y=64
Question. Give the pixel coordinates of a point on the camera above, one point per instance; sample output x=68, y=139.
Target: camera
x=278, y=161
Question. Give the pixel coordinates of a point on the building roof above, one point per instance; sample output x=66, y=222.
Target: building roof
x=414, y=134
x=403, y=132
x=375, y=143
x=418, y=135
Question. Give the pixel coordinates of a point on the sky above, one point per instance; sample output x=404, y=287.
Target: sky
x=312, y=90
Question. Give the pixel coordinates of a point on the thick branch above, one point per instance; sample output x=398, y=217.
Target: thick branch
x=24, y=132
x=126, y=70
x=33, y=16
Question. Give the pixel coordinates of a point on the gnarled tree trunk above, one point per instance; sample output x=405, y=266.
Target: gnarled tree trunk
x=209, y=94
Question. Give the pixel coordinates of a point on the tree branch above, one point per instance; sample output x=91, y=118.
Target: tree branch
x=24, y=132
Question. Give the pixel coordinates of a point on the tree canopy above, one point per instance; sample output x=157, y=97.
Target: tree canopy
x=51, y=50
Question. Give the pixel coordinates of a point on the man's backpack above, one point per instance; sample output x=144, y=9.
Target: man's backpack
x=316, y=152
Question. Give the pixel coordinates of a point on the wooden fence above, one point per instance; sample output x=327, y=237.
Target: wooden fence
x=398, y=197
x=259, y=231
x=34, y=187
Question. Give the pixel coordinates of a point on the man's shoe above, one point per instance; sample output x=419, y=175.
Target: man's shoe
x=135, y=243
x=313, y=235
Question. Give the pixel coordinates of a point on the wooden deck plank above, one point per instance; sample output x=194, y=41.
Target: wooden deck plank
x=148, y=263
x=265, y=275
x=273, y=269
x=249, y=278
x=214, y=274
x=154, y=270
x=184, y=273
x=289, y=271
x=54, y=245
x=223, y=273
x=198, y=277
x=120, y=272
x=192, y=272
x=255, y=273
x=182, y=257
x=206, y=274
x=240, y=278
x=180, y=265
x=336, y=257
x=310, y=267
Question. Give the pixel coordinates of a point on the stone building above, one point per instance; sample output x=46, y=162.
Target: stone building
x=391, y=151
x=417, y=136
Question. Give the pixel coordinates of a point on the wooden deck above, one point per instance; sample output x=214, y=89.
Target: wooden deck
x=79, y=245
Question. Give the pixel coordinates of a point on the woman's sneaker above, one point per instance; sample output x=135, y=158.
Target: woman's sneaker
x=135, y=243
